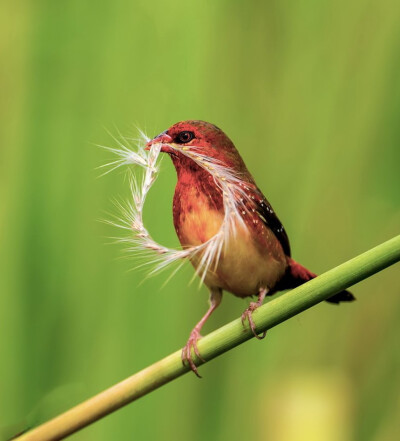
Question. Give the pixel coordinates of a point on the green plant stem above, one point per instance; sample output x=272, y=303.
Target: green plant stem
x=269, y=315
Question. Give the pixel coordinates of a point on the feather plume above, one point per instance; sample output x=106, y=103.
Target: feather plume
x=236, y=201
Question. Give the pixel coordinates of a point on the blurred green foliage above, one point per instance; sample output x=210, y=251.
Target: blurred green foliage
x=310, y=93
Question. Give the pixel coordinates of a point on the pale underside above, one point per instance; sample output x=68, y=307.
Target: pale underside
x=243, y=265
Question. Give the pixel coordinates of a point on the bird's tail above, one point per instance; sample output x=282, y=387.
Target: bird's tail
x=296, y=275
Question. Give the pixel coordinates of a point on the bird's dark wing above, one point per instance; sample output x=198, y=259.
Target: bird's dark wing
x=270, y=219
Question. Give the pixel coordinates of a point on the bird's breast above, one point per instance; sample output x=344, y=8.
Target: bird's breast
x=250, y=259
x=197, y=210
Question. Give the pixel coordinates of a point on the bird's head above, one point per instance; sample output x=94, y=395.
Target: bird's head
x=201, y=137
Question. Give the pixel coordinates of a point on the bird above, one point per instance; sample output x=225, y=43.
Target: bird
x=216, y=193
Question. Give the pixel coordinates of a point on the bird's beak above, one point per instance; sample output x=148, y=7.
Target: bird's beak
x=162, y=138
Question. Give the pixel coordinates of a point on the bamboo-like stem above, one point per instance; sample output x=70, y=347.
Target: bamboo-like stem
x=274, y=312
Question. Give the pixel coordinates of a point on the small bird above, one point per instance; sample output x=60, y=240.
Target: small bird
x=216, y=193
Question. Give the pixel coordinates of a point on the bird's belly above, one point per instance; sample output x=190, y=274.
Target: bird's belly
x=245, y=266
x=250, y=259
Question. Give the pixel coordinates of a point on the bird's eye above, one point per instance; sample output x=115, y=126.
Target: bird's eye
x=184, y=137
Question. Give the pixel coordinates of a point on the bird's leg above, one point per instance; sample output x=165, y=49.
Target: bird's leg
x=249, y=311
x=215, y=300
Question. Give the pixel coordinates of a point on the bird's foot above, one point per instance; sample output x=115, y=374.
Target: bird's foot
x=248, y=315
x=187, y=351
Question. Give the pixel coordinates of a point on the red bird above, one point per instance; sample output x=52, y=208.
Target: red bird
x=215, y=188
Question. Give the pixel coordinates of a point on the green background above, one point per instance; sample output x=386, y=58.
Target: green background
x=309, y=91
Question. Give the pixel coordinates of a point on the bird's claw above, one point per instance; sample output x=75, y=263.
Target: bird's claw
x=187, y=351
x=248, y=315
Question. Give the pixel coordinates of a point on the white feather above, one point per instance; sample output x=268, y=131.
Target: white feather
x=144, y=246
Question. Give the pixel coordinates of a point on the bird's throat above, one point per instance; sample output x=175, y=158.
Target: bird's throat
x=198, y=209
